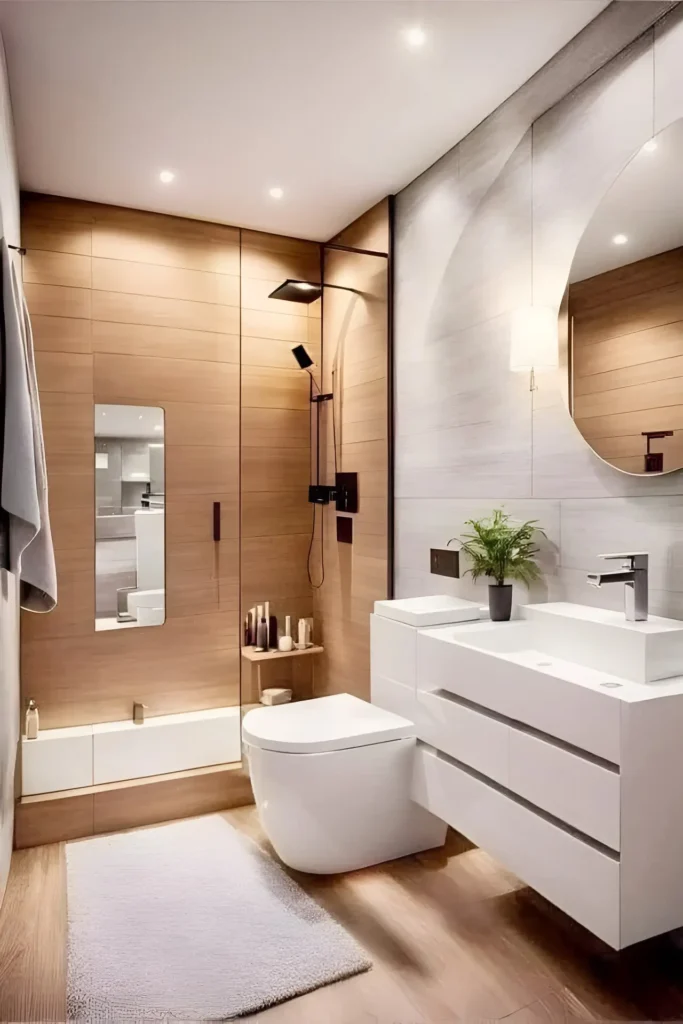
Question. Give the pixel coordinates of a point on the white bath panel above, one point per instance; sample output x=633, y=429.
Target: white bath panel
x=58, y=759
x=167, y=743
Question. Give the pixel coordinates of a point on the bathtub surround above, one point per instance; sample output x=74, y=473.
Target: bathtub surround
x=492, y=227
x=146, y=943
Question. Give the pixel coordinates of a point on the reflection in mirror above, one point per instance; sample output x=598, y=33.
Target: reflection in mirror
x=129, y=517
x=625, y=305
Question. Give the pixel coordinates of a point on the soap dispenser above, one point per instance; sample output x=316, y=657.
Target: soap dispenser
x=32, y=721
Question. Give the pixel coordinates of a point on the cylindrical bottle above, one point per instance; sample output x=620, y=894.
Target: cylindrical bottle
x=32, y=721
x=262, y=636
x=288, y=625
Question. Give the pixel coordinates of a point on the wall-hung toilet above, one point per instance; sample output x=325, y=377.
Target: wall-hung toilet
x=331, y=780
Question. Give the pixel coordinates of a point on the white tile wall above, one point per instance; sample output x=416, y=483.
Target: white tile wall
x=469, y=434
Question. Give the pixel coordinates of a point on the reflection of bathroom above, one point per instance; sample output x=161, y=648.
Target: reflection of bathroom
x=341, y=615
x=129, y=516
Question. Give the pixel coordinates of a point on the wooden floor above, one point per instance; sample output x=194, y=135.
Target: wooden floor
x=452, y=936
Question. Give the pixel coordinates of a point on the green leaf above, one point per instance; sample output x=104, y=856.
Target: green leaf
x=502, y=549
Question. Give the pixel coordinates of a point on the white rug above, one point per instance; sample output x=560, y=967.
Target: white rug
x=192, y=921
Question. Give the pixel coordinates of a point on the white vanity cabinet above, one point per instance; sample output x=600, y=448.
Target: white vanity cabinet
x=567, y=775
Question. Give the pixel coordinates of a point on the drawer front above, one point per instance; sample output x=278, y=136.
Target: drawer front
x=584, y=794
x=466, y=734
x=572, y=874
x=393, y=650
x=577, y=714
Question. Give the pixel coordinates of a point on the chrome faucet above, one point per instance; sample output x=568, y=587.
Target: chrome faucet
x=634, y=575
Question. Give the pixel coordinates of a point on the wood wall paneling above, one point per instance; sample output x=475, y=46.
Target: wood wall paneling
x=144, y=309
x=355, y=367
x=275, y=440
x=138, y=309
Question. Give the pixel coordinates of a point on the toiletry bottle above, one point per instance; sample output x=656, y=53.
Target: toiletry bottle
x=262, y=636
x=32, y=721
x=286, y=643
x=272, y=633
x=266, y=615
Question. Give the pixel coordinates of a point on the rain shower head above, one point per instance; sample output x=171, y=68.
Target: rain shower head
x=297, y=291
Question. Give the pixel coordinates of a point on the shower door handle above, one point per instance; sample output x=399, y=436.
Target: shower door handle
x=216, y=521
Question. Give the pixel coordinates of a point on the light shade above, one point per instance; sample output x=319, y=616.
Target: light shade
x=534, y=339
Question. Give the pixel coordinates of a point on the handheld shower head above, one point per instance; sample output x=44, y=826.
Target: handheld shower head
x=302, y=357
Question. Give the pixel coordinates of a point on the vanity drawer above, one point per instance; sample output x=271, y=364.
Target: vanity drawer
x=466, y=734
x=579, y=791
x=574, y=875
x=580, y=715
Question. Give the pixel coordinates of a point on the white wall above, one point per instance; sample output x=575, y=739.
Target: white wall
x=492, y=227
x=9, y=605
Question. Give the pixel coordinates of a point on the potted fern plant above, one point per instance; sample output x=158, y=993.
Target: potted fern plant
x=502, y=549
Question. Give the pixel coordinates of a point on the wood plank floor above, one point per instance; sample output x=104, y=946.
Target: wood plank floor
x=453, y=938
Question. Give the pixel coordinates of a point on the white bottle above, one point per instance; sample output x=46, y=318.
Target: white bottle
x=32, y=721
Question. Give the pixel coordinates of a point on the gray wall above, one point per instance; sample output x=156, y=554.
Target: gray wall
x=491, y=227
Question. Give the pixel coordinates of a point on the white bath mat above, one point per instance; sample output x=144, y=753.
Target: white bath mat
x=192, y=921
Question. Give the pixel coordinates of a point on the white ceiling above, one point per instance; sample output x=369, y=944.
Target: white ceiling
x=645, y=203
x=321, y=97
x=141, y=421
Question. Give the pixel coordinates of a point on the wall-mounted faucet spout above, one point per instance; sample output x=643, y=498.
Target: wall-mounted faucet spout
x=634, y=576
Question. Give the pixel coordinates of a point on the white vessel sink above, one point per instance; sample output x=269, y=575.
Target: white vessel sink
x=596, y=638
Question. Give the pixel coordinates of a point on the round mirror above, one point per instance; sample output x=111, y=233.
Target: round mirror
x=625, y=315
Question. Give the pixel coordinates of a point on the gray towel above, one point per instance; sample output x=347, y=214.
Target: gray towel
x=24, y=477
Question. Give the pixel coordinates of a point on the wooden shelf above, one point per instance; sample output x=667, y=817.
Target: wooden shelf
x=249, y=654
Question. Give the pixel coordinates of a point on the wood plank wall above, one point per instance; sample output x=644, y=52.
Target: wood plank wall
x=275, y=446
x=355, y=362
x=628, y=359
x=144, y=309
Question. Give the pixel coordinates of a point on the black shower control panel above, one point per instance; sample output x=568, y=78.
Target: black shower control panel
x=346, y=492
x=445, y=562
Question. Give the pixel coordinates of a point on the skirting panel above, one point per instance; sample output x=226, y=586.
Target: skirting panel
x=77, y=813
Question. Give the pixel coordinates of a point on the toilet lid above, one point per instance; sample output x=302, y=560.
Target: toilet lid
x=326, y=723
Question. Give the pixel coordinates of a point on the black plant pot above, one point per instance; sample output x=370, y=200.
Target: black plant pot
x=500, y=601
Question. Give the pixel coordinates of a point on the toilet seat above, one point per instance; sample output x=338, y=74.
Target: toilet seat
x=338, y=722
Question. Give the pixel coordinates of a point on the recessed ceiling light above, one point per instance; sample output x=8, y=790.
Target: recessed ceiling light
x=650, y=146
x=414, y=36
x=620, y=239
x=276, y=193
x=167, y=177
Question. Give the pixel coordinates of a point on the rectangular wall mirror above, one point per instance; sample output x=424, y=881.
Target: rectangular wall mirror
x=130, y=554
